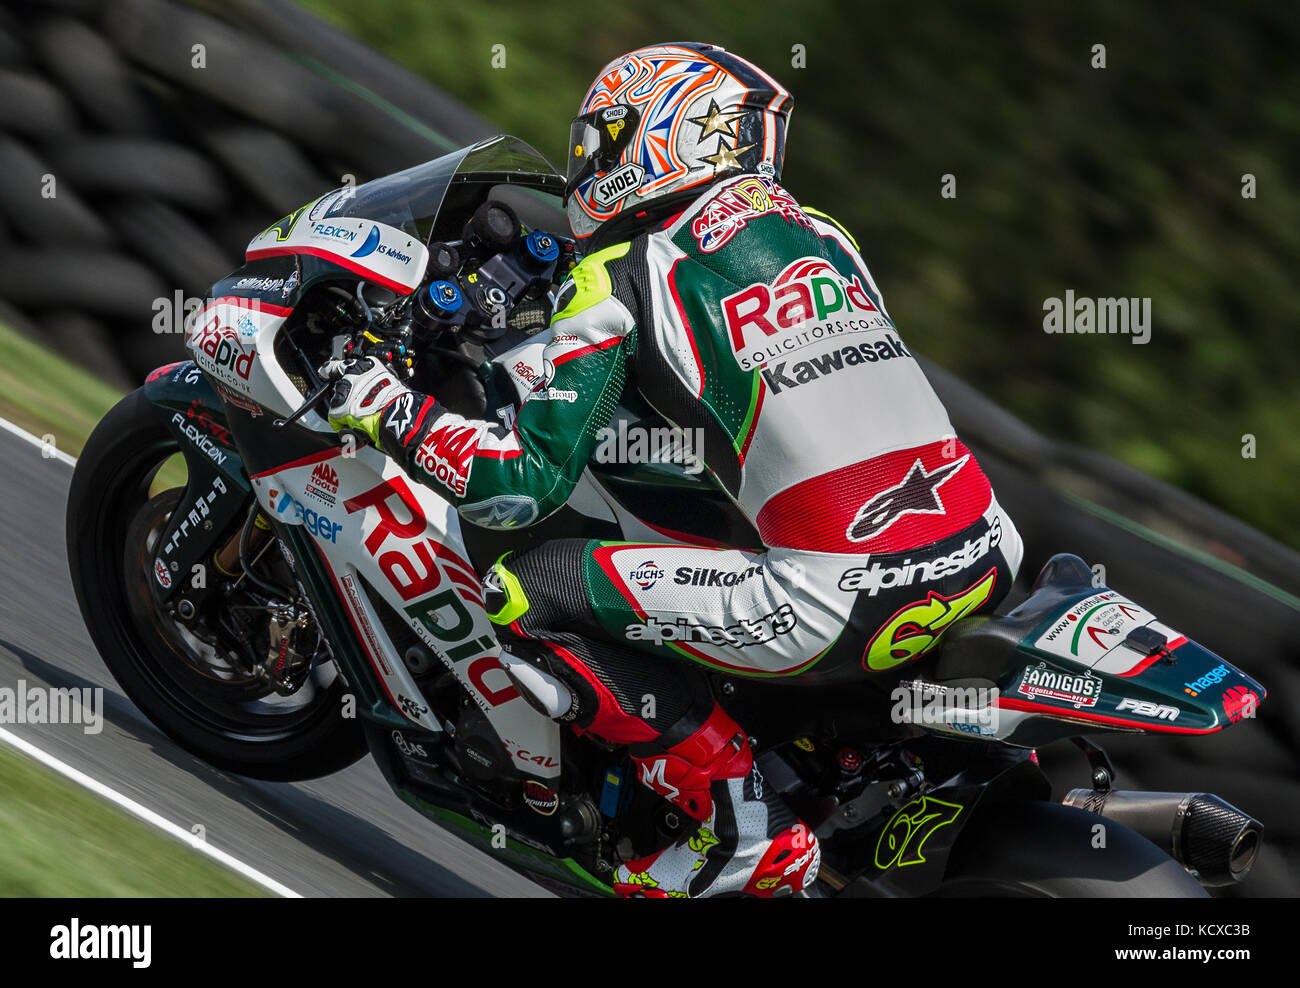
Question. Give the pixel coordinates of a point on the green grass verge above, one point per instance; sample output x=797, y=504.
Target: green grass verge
x=47, y=395
x=57, y=839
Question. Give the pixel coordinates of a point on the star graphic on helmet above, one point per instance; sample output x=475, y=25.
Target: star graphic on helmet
x=717, y=122
x=916, y=494
x=725, y=157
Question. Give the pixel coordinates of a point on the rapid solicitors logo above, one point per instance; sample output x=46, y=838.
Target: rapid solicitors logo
x=810, y=301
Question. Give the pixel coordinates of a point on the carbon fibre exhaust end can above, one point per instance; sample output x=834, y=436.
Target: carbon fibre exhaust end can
x=1209, y=836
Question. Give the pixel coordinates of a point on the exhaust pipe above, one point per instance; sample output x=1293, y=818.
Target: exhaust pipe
x=1205, y=834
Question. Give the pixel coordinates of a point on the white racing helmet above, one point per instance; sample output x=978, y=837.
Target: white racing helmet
x=661, y=123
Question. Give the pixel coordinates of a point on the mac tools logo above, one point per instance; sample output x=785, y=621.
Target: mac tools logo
x=324, y=484
x=809, y=302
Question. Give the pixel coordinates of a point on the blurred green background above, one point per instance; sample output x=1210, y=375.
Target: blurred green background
x=1116, y=181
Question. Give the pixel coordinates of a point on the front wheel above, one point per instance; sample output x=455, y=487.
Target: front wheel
x=194, y=687
x=1046, y=850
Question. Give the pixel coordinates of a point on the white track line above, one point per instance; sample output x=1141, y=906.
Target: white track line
x=46, y=450
x=112, y=795
x=147, y=815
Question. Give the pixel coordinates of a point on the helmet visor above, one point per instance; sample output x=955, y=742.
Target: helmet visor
x=596, y=142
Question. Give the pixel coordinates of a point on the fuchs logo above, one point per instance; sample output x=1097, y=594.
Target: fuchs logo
x=446, y=454
x=324, y=484
x=740, y=635
x=705, y=576
x=915, y=494
x=730, y=211
x=1239, y=702
x=646, y=575
x=876, y=578
x=220, y=344
x=541, y=799
x=618, y=183
x=809, y=302
x=161, y=572
x=1212, y=678
x=1042, y=683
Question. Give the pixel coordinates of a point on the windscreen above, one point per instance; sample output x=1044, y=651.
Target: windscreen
x=410, y=199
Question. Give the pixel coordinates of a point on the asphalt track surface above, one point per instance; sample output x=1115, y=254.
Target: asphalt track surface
x=345, y=835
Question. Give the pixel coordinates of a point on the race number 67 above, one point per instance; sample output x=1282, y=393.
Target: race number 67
x=916, y=628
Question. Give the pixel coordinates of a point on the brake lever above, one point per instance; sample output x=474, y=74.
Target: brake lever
x=305, y=407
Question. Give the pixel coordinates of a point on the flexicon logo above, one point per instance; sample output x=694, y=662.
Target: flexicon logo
x=369, y=246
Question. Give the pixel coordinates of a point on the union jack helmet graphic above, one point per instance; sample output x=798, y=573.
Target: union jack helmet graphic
x=661, y=123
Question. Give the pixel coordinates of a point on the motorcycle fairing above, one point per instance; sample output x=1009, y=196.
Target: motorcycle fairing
x=374, y=528
x=912, y=844
x=373, y=251
x=1075, y=658
x=231, y=338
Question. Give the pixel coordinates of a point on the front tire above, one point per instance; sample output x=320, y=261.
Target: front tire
x=108, y=497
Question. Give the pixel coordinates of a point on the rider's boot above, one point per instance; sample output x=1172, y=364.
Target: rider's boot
x=748, y=841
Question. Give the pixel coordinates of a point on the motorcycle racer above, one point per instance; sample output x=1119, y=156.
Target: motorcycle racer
x=711, y=293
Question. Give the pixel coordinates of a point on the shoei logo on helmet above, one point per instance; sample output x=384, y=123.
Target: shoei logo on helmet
x=611, y=188
x=615, y=119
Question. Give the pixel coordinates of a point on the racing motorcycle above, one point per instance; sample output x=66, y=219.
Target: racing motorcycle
x=296, y=601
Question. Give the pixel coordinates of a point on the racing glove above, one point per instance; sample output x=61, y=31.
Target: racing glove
x=364, y=388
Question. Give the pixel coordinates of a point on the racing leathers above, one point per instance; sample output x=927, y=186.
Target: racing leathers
x=752, y=325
